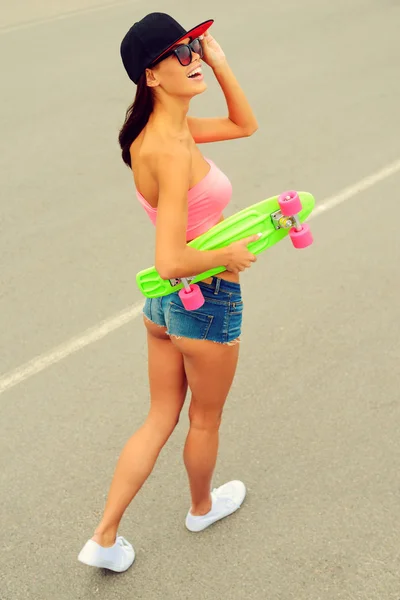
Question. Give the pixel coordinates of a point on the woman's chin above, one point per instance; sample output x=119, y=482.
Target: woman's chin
x=197, y=87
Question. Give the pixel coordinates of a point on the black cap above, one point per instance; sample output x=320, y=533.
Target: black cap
x=150, y=38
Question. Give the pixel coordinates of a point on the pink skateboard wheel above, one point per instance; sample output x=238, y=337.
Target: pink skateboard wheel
x=289, y=203
x=302, y=238
x=193, y=299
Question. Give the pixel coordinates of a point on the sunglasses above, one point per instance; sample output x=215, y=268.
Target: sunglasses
x=184, y=52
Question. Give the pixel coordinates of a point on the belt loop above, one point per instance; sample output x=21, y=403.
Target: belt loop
x=217, y=285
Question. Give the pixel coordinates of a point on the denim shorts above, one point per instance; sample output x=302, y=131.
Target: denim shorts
x=218, y=320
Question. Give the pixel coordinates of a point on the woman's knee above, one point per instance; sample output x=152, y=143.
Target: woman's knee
x=162, y=426
x=206, y=420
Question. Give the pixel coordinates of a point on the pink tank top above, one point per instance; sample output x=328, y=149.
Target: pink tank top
x=206, y=202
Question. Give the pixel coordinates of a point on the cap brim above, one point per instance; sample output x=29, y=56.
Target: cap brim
x=192, y=34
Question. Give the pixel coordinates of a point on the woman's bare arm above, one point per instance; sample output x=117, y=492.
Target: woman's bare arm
x=173, y=257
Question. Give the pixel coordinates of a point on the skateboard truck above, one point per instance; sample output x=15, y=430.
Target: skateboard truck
x=176, y=281
x=281, y=222
x=287, y=217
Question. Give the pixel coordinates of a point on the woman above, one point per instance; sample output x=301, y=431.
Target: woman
x=187, y=194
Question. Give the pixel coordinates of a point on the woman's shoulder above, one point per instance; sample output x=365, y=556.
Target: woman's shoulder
x=157, y=163
x=158, y=154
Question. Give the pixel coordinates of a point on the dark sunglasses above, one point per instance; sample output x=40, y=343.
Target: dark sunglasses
x=184, y=52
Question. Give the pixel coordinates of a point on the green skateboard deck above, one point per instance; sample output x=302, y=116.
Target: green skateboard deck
x=264, y=217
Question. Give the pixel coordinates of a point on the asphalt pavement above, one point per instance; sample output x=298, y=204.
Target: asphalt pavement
x=312, y=422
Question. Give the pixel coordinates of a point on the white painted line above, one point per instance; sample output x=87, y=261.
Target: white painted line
x=355, y=189
x=96, y=333
x=63, y=16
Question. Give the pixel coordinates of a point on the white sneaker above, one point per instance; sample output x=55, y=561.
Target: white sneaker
x=225, y=501
x=116, y=558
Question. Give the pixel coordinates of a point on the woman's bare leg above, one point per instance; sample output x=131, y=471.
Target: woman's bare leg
x=210, y=370
x=168, y=387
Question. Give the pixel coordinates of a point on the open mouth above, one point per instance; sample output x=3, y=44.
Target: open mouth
x=195, y=73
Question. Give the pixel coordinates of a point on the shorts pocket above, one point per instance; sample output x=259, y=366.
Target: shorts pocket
x=235, y=320
x=236, y=308
x=188, y=323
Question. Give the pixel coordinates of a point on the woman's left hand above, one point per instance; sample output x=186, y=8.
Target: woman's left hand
x=214, y=56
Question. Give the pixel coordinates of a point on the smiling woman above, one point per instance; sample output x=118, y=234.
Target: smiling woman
x=184, y=194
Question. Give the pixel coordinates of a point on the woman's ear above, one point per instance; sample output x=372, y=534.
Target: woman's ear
x=151, y=78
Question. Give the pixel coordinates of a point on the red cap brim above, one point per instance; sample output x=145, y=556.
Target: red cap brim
x=192, y=34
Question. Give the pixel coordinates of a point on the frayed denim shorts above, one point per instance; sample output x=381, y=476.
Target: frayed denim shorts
x=218, y=320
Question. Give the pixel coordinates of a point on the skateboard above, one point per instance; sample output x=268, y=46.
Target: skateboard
x=275, y=218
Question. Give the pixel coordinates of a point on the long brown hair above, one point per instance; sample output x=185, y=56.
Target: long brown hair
x=136, y=118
